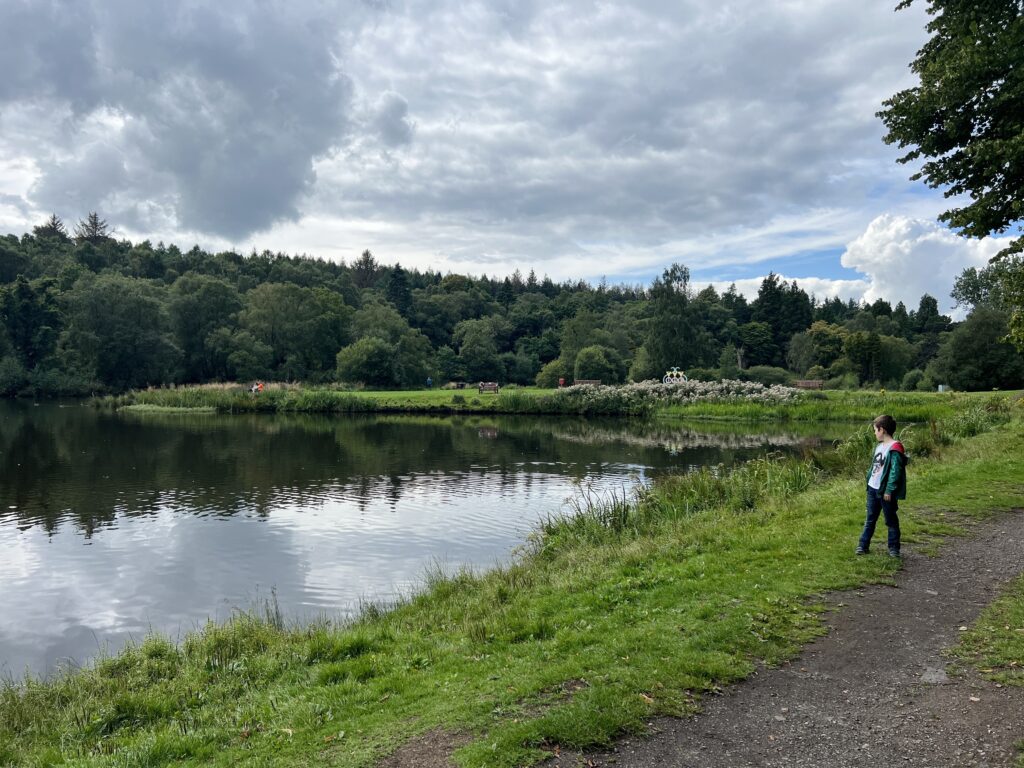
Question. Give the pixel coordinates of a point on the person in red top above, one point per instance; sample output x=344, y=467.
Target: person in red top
x=887, y=484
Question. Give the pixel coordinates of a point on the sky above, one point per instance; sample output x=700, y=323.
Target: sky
x=593, y=140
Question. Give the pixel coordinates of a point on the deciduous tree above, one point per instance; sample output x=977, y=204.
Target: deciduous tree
x=964, y=120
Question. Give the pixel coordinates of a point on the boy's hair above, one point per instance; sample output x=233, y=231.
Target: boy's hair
x=886, y=422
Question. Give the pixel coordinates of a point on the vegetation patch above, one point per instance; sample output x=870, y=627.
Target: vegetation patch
x=637, y=606
x=995, y=643
x=148, y=408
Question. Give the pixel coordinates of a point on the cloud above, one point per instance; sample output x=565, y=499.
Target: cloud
x=901, y=258
x=904, y=258
x=574, y=139
x=814, y=286
x=391, y=120
x=214, y=113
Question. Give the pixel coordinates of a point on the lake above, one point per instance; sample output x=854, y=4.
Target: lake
x=113, y=525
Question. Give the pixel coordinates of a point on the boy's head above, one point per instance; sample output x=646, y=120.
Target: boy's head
x=885, y=423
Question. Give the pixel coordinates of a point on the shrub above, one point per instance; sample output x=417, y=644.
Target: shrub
x=550, y=373
x=767, y=375
x=816, y=372
x=912, y=379
x=846, y=381
x=12, y=375
x=703, y=374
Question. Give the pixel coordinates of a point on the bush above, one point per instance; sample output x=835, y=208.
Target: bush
x=817, y=372
x=912, y=379
x=846, y=381
x=594, y=362
x=767, y=374
x=551, y=373
x=12, y=376
x=704, y=374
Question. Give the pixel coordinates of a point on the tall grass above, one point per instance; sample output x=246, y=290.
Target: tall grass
x=593, y=517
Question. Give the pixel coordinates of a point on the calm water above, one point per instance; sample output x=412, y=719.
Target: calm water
x=113, y=525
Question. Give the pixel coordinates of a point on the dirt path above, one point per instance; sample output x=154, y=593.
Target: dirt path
x=876, y=691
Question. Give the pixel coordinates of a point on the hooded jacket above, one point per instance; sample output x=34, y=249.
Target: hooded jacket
x=894, y=472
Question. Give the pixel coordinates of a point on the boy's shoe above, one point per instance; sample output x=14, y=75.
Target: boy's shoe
x=894, y=553
x=861, y=551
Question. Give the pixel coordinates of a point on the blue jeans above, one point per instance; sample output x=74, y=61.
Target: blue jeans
x=875, y=505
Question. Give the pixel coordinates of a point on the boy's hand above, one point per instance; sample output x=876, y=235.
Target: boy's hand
x=887, y=496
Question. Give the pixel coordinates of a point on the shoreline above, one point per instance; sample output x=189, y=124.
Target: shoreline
x=711, y=401
x=603, y=623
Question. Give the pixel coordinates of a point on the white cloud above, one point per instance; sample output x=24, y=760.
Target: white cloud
x=904, y=258
x=574, y=139
x=821, y=288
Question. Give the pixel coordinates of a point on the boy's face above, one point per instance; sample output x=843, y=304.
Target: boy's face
x=879, y=433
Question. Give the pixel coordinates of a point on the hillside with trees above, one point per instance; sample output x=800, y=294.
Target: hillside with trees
x=84, y=312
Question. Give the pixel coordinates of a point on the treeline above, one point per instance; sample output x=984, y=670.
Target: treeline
x=85, y=312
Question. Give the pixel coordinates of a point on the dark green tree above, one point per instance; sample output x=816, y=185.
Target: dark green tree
x=199, y=305
x=365, y=271
x=597, y=362
x=119, y=331
x=92, y=229
x=31, y=319
x=757, y=345
x=478, y=351
x=977, y=356
x=675, y=337
x=53, y=227
x=864, y=351
x=368, y=361
x=397, y=290
x=305, y=327
x=964, y=119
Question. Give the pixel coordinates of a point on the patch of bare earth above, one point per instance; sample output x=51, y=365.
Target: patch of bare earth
x=432, y=749
x=878, y=690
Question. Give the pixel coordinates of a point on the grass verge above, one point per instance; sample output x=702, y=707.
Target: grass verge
x=631, y=400
x=631, y=607
x=994, y=645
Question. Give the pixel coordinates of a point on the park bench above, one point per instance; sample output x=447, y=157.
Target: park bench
x=591, y=382
x=809, y=384
x=488, y=386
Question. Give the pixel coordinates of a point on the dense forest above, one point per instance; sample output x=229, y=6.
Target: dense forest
x=84, y=312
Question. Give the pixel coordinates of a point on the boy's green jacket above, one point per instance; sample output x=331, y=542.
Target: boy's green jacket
x=894, y=472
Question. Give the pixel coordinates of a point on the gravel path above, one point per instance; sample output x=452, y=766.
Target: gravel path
x=876, y=691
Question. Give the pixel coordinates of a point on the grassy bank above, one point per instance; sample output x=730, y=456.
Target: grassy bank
x=627, y=609
x=995, y=643
x=840, y=406
x=743, y=401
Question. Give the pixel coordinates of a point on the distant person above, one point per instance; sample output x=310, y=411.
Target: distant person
x=887, y=484
x=254, y=388
x=430, y=382
x=259, y=387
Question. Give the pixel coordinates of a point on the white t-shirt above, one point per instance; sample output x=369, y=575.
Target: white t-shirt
x=881, y=451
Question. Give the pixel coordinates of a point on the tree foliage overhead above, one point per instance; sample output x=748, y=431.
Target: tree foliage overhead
x=965, y=119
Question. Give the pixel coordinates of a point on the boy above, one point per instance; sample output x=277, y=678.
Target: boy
x=887, y=483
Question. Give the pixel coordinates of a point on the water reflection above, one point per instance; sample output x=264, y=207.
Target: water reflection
x=112, y=524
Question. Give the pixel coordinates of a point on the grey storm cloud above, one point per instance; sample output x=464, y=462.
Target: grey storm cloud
x=634, y=121
x=392, y=120
x=210, y=115
x=478, y=130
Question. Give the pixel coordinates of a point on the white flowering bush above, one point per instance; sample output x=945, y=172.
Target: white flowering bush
x=725, y=390
x=641, y=398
